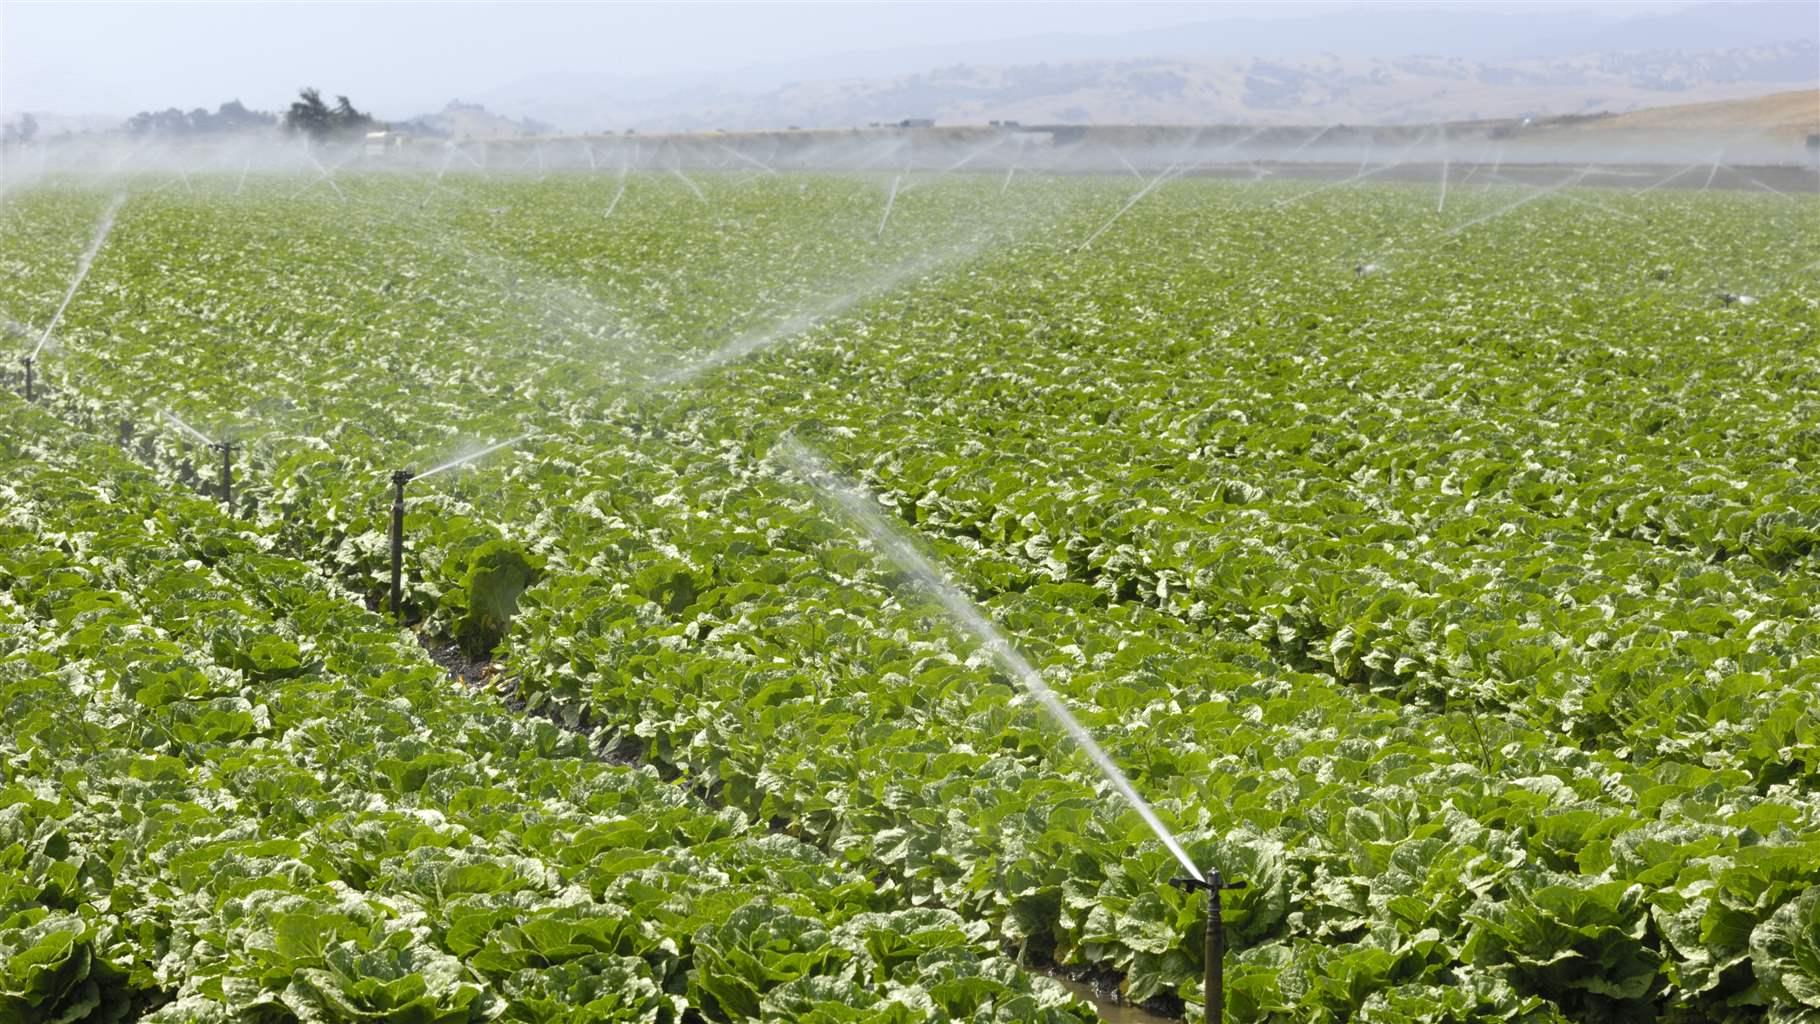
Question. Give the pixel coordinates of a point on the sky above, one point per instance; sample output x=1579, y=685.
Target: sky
x=401, y=59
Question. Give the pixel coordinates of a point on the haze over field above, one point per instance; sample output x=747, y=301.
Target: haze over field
x=592, y=68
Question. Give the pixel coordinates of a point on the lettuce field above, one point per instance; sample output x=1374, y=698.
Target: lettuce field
x=1448, y=576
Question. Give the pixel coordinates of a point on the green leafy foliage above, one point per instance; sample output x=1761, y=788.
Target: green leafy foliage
x=498, y=573
x=1464, y=610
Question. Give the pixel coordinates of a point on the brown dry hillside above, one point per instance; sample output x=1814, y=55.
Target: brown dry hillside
x=1783, y=114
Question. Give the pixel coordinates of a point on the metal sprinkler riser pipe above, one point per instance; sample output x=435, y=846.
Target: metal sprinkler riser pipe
x=28, y=378
x=1213, y=985
x=227, y=450
x=399, y=479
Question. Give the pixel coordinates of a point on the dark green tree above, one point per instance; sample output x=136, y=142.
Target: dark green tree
x=312, y=117
x=231, y=116
x=349, y=121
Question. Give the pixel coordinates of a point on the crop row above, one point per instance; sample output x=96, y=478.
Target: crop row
x=232, y=794
x=1512, y=578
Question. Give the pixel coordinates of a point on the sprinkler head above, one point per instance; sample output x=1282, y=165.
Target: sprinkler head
x=1212, y=883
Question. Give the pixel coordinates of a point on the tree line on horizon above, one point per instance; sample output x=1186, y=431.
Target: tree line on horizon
x=309, y=115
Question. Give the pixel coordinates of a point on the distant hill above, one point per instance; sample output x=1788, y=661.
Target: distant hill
x=1248, y=90
x=461, y=120
x=1791, y=115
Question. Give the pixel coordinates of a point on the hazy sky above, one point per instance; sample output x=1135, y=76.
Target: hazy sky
x=404, y=59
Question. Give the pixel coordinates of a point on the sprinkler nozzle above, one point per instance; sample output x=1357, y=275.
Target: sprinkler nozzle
x=1213, y=883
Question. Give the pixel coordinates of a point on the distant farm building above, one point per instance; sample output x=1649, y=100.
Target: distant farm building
x=379, y=143
x=917, y=122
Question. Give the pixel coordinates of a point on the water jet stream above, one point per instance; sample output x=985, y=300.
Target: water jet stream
x=1710, y=175
x=1581, y=200
x=754, y=161
x=1128, y=165
x=1661, y=182
x=1129, y=203
x=699, y=194
x=1550, y=190
x=616, y=195
x=1309, y=141
x=958, y=164
x=186, y=428
x=471, y=456
x=326, y=176
x=970, y=157
x=1758, y=184
x=82, y=267
x=804, y=322
x=901, y=552
x=1317, y=190
x=890, y=201
x=885, y=151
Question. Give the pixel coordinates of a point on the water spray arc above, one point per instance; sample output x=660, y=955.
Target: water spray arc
x=200, y=437
x=225, y=448
x=470, y=457
x=890, y=201
x=686, y=180
x=1710, y=175
x=399, y=479
x=1663, y=181
x=901, y=552
x=102, y=230
x=617, y=196
x=1168, y=173
x=968, y=616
